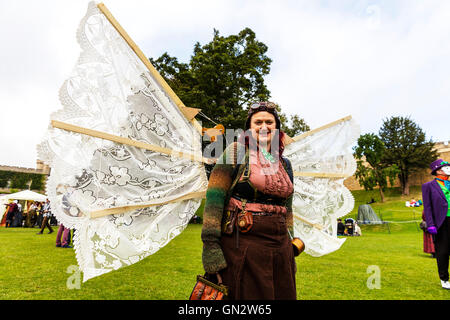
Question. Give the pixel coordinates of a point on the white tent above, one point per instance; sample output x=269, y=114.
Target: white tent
x=21, y=195
x=25, y=195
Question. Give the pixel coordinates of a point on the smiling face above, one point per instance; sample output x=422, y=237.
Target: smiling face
x=263, y=125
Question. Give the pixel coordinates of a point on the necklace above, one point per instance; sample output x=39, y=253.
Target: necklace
x=267, y=155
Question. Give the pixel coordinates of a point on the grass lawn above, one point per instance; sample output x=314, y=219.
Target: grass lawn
x=31, y=267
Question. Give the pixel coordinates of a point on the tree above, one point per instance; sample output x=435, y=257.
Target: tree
x=371, y=171
x=22, y=180
x=406, y=147
x=294, y=126
x=223, y=77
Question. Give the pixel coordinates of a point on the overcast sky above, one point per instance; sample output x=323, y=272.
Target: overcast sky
x=368, y=59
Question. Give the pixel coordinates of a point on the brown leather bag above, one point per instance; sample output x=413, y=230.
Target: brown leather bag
x=245, y=221
x=242, y=219
x=205, y=289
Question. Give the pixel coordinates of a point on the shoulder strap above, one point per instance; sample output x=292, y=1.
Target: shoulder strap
x=238, y=170
x=288, y=167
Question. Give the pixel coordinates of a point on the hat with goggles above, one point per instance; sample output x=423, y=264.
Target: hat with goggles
x=262, y=106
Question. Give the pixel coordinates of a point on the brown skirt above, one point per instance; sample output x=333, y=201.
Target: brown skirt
x=261, y=263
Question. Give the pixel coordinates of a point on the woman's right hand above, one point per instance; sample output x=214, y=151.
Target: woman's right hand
x=213, y=276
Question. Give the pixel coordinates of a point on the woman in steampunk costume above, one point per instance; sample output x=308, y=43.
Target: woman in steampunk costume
x=128, y=174
x=248, y=221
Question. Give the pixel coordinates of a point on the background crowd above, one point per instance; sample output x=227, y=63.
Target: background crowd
x=349, y=228
x=33, y=216
x=37, y=214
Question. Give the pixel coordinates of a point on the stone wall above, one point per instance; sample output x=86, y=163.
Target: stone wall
x=41, y=168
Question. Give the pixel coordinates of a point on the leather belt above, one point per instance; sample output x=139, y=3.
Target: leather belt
x=268, y=200
x=262, y=213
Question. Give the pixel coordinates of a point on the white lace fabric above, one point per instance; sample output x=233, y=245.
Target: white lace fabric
x=321, y=201
x=111, y=90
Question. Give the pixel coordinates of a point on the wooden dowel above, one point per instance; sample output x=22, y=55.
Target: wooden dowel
x=314, y=225
x=306, y=134
x=126, y=141
x=193, y=195
x=187, y=112
x=118, y=210
x=320, y=175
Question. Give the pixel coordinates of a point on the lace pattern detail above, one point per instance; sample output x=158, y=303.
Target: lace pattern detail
x=322, y=201
x=111, y=90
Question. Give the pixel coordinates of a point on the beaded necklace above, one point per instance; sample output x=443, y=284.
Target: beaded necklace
x=267, y=155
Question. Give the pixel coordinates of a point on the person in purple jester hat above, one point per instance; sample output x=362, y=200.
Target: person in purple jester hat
x=436, y=199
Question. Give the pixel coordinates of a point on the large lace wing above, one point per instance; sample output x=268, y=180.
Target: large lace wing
x=321, y=160
x=112, y=91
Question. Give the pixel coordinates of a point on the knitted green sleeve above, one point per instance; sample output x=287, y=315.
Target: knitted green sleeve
x=219, y=183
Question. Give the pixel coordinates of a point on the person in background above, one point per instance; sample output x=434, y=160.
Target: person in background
x=65, y=233
x=39, y=214
x=30, y=214
x=436, y=199
x=46, y=214
x=12, y=208
x=349, y=226
x=340, y=228
x=18, y=217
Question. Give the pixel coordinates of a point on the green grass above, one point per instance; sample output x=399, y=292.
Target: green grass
x=394, y=206
x=32, y=268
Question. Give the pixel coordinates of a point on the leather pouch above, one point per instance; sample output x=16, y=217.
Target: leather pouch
x=230, y=221
x=245, y=221
x=205, y=289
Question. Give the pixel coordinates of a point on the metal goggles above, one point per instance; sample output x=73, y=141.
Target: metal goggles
x=261, y=106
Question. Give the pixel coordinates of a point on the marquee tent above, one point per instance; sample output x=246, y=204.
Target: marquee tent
x=25, y=195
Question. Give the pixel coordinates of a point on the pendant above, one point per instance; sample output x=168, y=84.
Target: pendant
x=267, y=155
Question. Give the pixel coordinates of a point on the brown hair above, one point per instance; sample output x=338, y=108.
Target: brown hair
x=271, y=108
